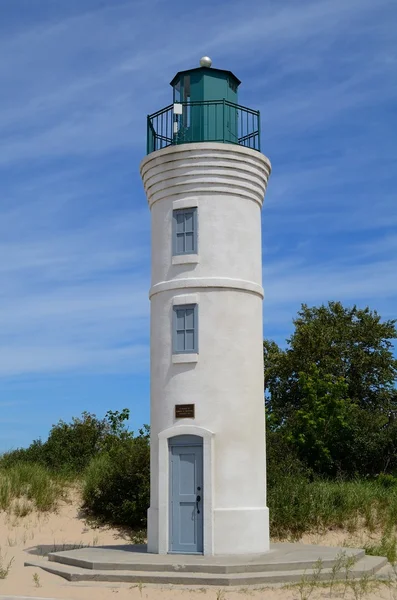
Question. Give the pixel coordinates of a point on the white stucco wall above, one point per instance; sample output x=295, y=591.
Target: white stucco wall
x=225, y=379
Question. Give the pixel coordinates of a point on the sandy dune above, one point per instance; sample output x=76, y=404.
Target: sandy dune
x=40, y=534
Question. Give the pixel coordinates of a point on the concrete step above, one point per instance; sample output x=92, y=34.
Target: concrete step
x=387, y=573
x=364, y=566
x=282, y=557
x=193, y=568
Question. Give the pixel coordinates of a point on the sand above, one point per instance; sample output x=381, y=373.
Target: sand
x=43, y=532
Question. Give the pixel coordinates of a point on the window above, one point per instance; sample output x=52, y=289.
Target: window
x=185, y=231
x=185, y=330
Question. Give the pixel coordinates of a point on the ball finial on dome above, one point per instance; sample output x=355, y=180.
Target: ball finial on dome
x=205, y=61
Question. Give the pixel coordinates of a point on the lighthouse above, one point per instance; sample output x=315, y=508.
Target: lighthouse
x=205, y=179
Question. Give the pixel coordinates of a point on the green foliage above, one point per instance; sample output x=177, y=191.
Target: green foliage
x=320, y=427
x=113, y=462
x=297, y=506
x=331, y=394
x=387, y=481
x=5, y=492
x=116, y=483
x=71, y=446
x=387, y=547
x=32, y=482
x=350, y=343
x=33, y=454
x=282, y=460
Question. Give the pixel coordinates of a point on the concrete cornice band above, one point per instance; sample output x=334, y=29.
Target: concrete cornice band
x=205, y=168
x=240, y=285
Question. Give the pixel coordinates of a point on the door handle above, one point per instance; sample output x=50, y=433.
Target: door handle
x=198, y=498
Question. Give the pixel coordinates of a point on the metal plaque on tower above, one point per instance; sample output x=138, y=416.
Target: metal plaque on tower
x=184, y=411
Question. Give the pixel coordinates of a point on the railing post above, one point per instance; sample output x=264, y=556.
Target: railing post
x=223, y=120
x=259, y=130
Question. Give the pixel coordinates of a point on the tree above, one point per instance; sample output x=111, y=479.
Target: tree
x=336, y=347
x=321, y=428
x=343, y=342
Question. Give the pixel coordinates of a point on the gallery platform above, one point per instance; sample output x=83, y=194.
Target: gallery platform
x=284, y=563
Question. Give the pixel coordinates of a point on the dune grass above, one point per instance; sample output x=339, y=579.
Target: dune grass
x=298, y=506
x=387, y=546
x=28, y=485
x=5, y=566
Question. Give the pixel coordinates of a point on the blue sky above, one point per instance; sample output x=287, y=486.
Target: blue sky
x=77, y=80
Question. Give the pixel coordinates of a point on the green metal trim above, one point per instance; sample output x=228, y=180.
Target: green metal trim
x=224, y=125
x=204, y=70
x=259, y=129
x=204, y=121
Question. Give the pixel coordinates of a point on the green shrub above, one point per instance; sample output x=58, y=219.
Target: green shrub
x=116, y=483
x=71, y=446
x=34, y=454
x=282, y=460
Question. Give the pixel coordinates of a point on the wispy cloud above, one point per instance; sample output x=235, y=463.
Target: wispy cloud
x=333, y=281
x=74, y=280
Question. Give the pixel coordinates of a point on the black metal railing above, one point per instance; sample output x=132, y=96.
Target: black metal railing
x=209, y=121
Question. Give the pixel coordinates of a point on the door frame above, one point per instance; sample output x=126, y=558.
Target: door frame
x=164, y=495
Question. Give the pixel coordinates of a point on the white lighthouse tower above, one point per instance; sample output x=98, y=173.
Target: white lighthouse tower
x=205, y=180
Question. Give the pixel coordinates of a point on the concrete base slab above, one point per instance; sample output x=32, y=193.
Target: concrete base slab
x=284, y=563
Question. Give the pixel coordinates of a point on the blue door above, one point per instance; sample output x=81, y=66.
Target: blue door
x=186, y=494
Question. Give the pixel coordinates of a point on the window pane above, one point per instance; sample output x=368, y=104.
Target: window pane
x=189, y=322
x=180, y=341
x=188, y=221
x=189, y=247
x=180, y=319
x=180, y=222
x=180, y=243
x=189, y=340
